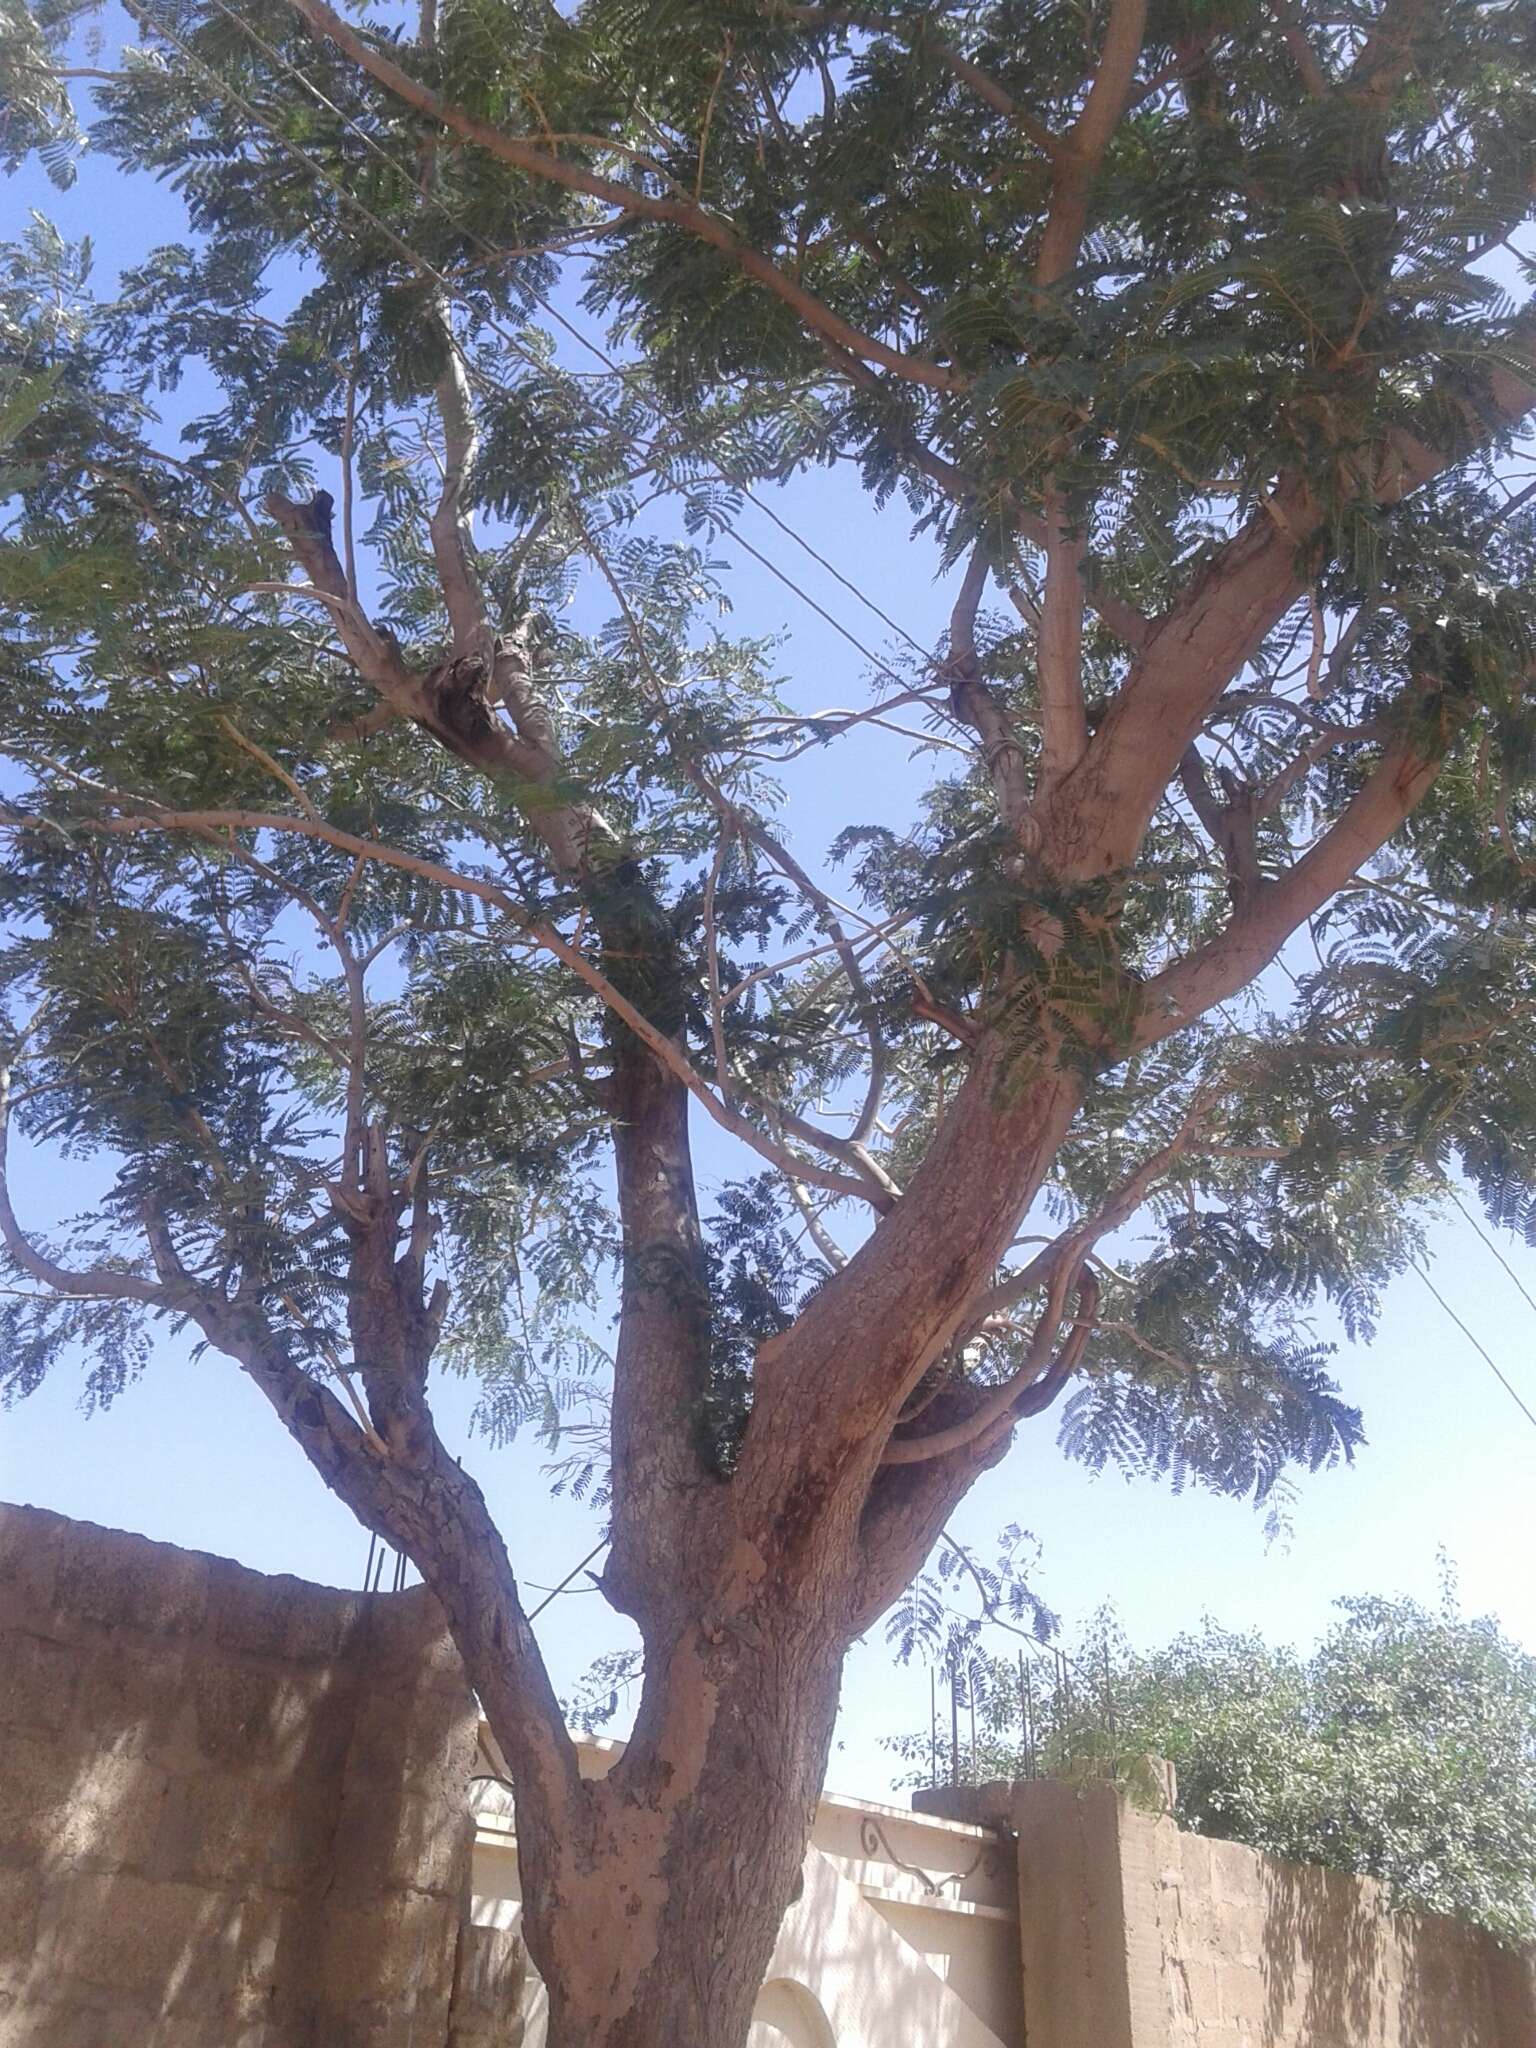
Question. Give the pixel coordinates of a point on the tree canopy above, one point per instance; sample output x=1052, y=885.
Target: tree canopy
x=407, y=862
x=1221, y=330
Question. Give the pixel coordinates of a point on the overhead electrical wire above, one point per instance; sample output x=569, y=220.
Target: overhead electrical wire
x=1482, y=1350
x=577, y=334
x=422, y=264
x=1487, y=1240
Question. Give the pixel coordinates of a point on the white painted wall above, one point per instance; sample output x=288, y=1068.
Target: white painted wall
x=905, y=1933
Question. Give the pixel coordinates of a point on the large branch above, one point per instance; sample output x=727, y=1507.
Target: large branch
x=1025, y=1392
x=1230, y=821
x=1274, y=909
x=662, y=1354
x=663, y=1348
x=429, y=1508
x=661, y=1360
x=829, y=1390
x=537, y=162
x=448, y=528
x=1080, y=152
x=455, y=701
x=1097, y=819
x=1119, y=617
x=914, y=1492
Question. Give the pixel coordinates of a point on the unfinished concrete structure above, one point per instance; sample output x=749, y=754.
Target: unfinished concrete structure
x=231, y=1807
x=244, y=1812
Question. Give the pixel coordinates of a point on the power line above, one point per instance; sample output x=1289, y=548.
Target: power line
x=426, y=267
x=555, y=1591
x=577, y=334
x=1487, y=1240
x=1479, y=1346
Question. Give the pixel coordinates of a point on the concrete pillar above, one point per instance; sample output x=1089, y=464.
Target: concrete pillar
x=1090, y=1950
x=1134, y=1934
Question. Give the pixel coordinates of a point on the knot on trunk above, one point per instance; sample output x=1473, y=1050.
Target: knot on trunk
x=461, y=695
x=306, y=524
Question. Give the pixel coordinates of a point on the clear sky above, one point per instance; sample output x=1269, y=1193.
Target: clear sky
x=192, y=1455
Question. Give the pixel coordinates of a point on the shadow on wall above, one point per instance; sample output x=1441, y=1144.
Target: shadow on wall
x=229, y=1805
x=1338, y=1966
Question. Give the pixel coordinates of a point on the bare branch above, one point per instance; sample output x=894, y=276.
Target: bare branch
x=1009, y=1400
x=348, y=478
x=448, y=528
x=978, y=706
x=1128, y=625
x=712, y=964
x=863, y=999
x=1063, y=722
x=922, y=34
x=1230, y=820
x=263, y=759
x=1407, y=769
x=820, y=1236
x=1308, y=63
x=453, y=702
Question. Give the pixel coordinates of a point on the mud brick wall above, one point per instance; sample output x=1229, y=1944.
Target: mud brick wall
x=232, y=1808
x=1135, y=1934
x=1240, y=1947
x=233, y=1814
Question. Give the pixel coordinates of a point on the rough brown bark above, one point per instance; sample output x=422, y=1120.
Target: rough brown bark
x=662, y=1935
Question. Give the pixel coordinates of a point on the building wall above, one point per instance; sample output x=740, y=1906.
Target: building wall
x=904, y=1935
x=1244, y=1948
x=233, y=1814
x=231, y=1807
x=1134, y=1934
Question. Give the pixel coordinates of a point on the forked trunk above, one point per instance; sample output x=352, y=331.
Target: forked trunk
x=663, y=1939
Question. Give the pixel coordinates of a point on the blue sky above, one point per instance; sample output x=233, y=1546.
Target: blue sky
x=191, y=1454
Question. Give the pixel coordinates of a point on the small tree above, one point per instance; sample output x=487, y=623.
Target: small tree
x=1402, y=1748
x=389, y=939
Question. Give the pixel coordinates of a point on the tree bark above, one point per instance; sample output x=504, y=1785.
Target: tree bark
x=659, y=1933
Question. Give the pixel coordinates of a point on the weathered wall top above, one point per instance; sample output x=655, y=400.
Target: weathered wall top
x=1135, y=1934
x=235, y=1813
x=231, y=1807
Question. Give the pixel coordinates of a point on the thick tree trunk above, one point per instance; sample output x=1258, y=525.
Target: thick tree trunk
x=654, y=1920
x=658, y=1935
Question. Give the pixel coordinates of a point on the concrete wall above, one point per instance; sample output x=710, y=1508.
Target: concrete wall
x=233, y=1814
x=1249, y=1949
x=231, y=1807
x=1136, y=1935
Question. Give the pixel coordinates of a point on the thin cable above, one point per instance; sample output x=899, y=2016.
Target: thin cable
x=1487, y=1240
x=1481, y=1349
x=555, y=1591
x=583, y=340
x=429, y=270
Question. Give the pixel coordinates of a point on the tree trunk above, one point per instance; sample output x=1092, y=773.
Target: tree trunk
x=659, y=1932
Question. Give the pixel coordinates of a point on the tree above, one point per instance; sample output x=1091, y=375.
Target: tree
x=1402, y=1748
x=388, y=934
